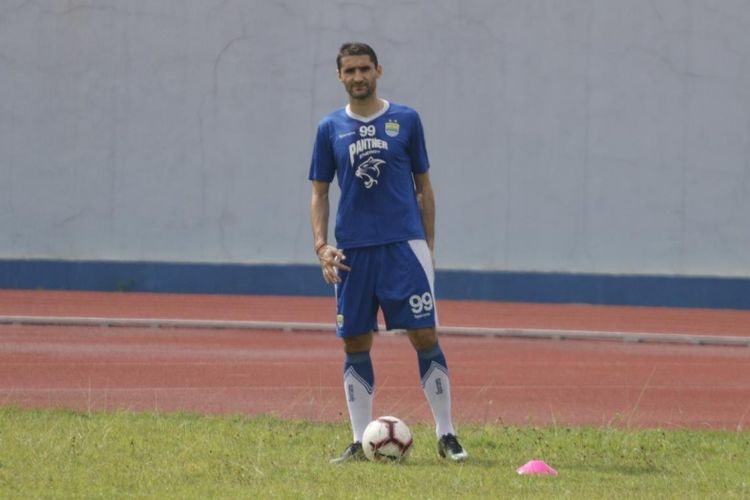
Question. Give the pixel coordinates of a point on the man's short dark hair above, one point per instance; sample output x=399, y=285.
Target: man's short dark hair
x=356, y=49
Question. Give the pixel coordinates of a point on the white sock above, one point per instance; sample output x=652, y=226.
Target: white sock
x=437, y=389
x=358, y=392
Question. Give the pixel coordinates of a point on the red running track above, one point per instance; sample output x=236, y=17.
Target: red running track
x=298, y=375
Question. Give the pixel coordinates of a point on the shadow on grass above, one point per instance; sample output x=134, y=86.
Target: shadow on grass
x=627, y=470
x=471, y=462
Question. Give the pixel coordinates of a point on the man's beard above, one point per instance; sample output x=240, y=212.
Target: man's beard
x=365, y=92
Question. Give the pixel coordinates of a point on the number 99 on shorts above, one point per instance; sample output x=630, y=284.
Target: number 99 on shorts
x=421, y=305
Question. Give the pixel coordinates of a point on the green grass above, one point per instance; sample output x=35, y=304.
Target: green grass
x=59, y=454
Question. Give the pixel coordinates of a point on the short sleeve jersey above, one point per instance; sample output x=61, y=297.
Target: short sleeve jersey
x=373, y=159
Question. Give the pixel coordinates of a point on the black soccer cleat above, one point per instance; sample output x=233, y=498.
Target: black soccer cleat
x=450, y=448
x=352, y=453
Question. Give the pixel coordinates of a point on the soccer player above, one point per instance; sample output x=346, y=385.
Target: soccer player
x=385, y=233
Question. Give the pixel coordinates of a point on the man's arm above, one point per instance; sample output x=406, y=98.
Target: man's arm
x=426, y=199
x=330, y=257
x=319, y=210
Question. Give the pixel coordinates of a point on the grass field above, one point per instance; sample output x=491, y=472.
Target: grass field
x=60, y=454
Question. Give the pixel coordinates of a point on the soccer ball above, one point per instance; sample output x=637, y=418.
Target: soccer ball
x=387, y=439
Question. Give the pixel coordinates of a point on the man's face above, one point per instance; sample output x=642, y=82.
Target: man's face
x=359, y=76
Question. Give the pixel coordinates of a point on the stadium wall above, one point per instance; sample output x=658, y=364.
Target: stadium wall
x=582, y=151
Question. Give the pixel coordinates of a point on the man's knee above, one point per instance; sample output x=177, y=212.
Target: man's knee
x=360, y=343
x=423, y=338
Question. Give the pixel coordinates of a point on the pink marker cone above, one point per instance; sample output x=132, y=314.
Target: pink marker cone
x=536, y=467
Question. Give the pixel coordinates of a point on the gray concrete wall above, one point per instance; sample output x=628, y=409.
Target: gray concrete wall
x=602, y=136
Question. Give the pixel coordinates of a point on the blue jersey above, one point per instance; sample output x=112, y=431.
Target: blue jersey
x=373, y=159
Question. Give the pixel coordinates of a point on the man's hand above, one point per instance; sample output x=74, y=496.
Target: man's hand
x=330, y=261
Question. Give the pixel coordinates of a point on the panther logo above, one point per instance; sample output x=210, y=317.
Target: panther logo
x=369, y=171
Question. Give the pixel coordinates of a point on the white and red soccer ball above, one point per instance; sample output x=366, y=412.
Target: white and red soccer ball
x=387, y=439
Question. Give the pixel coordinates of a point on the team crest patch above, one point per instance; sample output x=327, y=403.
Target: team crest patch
x=340, y=320
x=392, y=128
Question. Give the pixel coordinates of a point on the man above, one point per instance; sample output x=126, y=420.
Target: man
x=385, y=234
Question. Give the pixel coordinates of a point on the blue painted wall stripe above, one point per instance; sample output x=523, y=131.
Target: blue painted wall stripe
x=305, y=280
